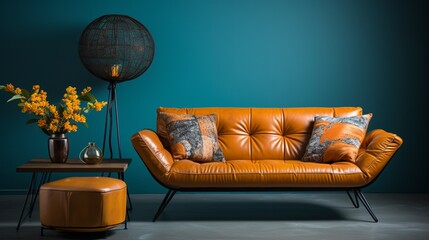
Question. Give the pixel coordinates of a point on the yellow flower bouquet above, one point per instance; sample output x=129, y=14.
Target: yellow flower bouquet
x=50, y=118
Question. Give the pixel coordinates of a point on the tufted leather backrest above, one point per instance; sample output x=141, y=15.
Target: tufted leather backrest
x=261, y=133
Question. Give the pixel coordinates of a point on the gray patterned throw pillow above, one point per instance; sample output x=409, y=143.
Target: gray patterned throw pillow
x=193, y=137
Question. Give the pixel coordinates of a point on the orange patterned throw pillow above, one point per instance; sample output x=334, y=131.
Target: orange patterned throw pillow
x=193, y=137
x=336, y=139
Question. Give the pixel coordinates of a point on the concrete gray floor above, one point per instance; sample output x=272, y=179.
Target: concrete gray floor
x=310, y=215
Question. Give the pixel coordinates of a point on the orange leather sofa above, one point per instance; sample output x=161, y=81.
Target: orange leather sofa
x=262, y=149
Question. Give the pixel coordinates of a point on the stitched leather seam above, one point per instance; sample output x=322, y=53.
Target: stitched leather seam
x=284, y=134
x=250, y=129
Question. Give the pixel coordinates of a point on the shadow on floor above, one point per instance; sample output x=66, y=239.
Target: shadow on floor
x=33, y=233
x=82, y=235
x=237, y=211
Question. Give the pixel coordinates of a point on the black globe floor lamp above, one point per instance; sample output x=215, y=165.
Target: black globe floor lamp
x=115, y=48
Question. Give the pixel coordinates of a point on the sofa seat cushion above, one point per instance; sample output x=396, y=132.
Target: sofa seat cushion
x=264, y=174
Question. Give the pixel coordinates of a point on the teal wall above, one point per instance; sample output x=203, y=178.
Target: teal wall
x=248, y=53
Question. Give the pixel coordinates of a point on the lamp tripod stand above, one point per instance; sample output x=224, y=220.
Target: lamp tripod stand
x=112, y=105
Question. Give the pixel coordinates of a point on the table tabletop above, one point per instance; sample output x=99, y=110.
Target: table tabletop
x=74, y=165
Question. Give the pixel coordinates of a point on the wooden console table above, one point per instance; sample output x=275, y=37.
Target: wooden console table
x=45, y=167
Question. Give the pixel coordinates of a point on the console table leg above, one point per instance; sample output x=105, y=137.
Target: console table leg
x=42, y=181
x=121, y=176
x=33, y=190
x=30, y=189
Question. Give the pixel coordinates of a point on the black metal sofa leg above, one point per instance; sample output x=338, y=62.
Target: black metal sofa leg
x=170, y=194
x=355, y=201
x=366, y=204
x=358, y=195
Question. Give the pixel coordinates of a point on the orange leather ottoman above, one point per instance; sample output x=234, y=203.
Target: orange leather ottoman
x=86, y=204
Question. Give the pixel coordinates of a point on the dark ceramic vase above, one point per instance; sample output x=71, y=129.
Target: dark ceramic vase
x=58, y=147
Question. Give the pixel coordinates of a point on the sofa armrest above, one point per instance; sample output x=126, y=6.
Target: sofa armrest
x=153, y=154
x=375, y=152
